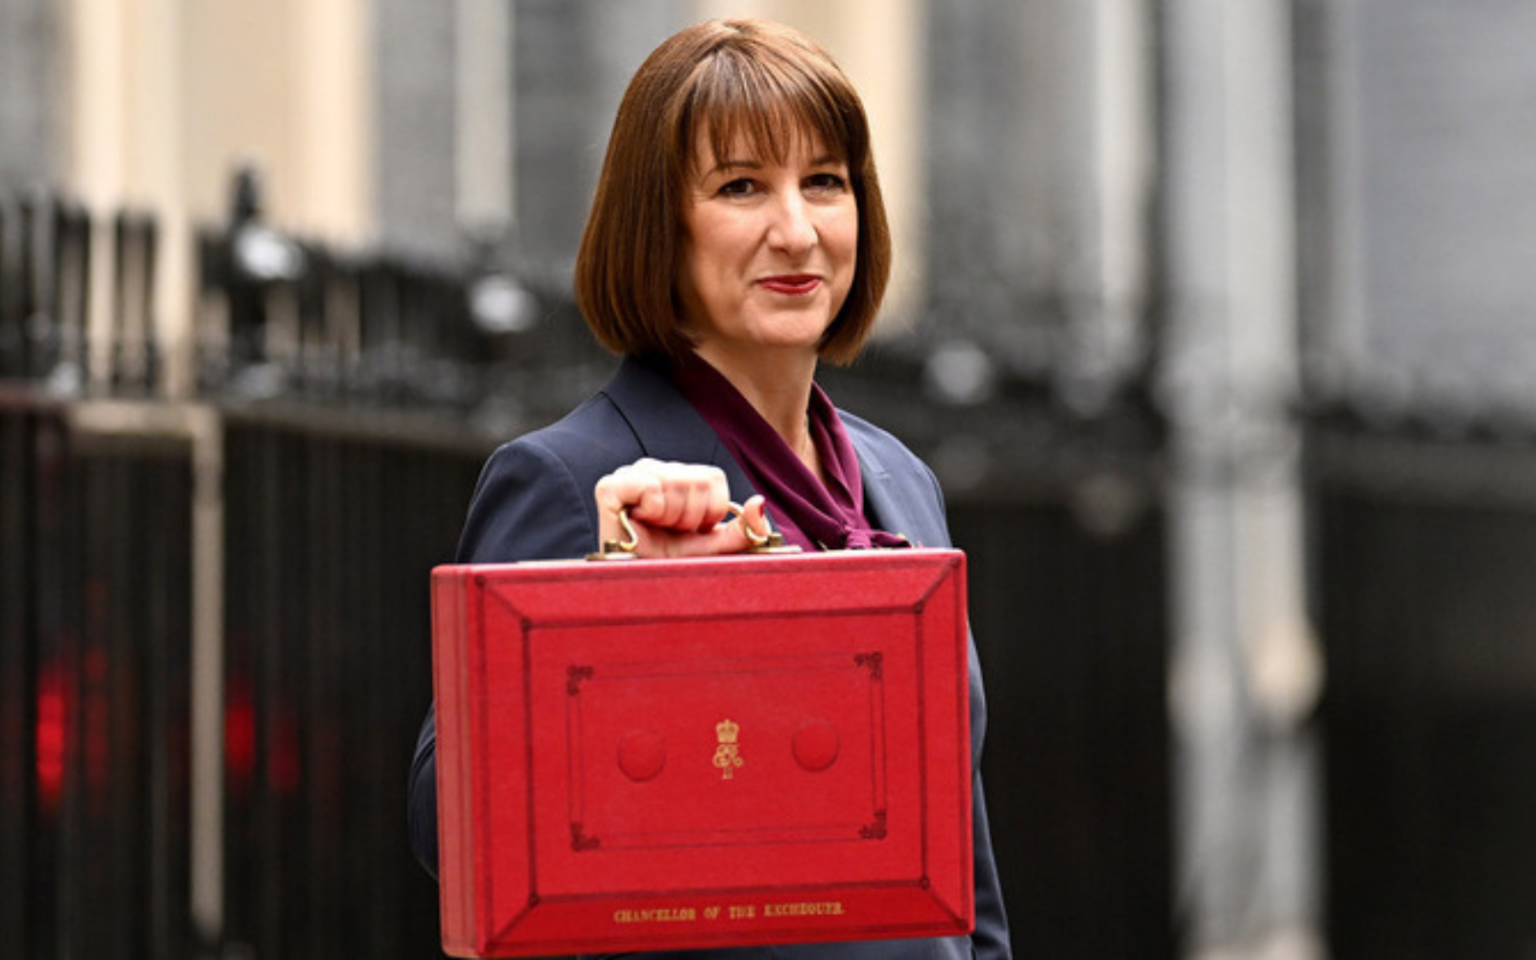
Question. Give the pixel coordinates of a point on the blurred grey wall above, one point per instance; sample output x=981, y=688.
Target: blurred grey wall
x=30, y=120
x=564, y=66
x=1416, y=125
x=415, y=132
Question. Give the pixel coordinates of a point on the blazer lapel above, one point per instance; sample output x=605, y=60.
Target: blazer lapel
x=666, y=425
x=882, y=505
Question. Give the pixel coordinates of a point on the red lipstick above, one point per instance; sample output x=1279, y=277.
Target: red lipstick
x=793, y=285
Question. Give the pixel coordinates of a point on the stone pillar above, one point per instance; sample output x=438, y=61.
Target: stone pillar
x=571, y=63
x=415, y=133
x=1245, y=670
x=990, y=240
x=1039, y=182
x=30, y=107
x=556, y=75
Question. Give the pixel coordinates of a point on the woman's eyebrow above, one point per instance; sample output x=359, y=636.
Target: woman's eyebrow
x=724, y=165
x=826, y=160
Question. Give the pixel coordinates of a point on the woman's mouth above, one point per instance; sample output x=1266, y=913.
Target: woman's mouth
x=791, y=285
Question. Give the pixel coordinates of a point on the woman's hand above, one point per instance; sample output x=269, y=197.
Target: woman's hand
x=676, y=510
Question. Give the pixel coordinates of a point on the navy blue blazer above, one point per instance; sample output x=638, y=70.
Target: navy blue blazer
x=534, y=502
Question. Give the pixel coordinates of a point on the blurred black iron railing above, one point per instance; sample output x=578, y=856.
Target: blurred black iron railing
x=94, y=574
x=166, y=781
x=48, y=248
x=476, y=338
x=95, y=639
x=1423, y=535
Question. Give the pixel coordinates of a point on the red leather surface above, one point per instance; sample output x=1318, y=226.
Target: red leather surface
x=650, y=754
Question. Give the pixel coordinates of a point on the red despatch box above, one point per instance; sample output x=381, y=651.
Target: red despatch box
x=651, y=754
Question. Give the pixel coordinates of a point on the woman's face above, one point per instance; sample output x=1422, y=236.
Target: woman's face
x=769, y=248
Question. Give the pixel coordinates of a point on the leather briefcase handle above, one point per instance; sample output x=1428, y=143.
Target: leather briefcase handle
x=770, y=542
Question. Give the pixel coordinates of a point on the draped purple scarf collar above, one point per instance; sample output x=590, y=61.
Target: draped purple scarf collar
x=810, y=514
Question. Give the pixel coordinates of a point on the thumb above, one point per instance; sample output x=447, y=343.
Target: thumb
x=754, y=520
x=748, y=529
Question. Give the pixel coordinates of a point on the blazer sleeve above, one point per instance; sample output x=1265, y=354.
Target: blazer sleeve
x=990, y=940
x=527, y=505
x=913, y=496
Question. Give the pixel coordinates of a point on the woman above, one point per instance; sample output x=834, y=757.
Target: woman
x=724, y=257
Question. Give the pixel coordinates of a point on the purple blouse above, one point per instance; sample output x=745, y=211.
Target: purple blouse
x=810, y=514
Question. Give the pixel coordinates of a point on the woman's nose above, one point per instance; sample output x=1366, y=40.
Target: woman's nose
x=793, y=229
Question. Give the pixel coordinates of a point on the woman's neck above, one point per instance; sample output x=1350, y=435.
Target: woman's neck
x=778, y=386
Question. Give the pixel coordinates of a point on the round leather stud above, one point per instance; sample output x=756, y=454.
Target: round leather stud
x=642, y=754
x=816, y=745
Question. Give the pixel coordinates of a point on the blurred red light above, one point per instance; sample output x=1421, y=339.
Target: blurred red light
x=52, y=732
x=239, y=736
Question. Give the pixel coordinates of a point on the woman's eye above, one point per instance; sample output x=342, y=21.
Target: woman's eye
x=741, y=187
x=826, y=182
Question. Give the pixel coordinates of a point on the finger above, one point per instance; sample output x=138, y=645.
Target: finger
x=625, y=486
x=618, y=491
x=687, y=496
x=708, y=501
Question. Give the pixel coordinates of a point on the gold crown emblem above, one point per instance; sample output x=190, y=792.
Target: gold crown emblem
x=727, y=731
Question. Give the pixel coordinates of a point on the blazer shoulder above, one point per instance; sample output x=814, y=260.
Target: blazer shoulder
x=887, y=457
x=533, y=500
x=589, y=441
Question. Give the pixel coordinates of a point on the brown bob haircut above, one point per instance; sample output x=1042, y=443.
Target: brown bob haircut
x=764, y=82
